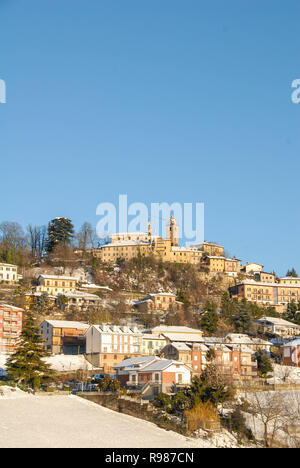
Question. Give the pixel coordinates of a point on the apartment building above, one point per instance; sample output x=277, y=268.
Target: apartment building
x=232, y=360
x=152, y=375
x=107, y=345
x=275, y=294
x=10, y=327
x=9, y=273
x=55, y=284
x=64, y=336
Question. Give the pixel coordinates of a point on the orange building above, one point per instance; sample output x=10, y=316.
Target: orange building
x=10, y=327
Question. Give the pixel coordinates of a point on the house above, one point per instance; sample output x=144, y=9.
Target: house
x=10, y=327
x=77, y=299
x=55, y=284
x=218, y=264
x=64, y=336
x=291, y=353
x=107, y=345
x=152, y=375
x=251, y=268
x=162, y=301
x=278, y=326
x=9, y=273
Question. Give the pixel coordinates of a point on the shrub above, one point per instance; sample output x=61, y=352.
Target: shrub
x=202, y=415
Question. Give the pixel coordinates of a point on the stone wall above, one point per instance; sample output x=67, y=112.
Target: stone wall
x=137, y=408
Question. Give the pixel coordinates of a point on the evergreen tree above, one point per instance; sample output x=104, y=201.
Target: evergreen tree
x=26, y=365
x=292, y=273
x=60, y=231
x=264, y=364
x=209, y=318
x=242, y=320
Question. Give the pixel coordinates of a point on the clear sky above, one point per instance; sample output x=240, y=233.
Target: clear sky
x=171, y=100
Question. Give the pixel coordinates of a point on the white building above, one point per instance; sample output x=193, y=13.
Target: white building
x=278, y=326
x=9, y=273
x=107, y=345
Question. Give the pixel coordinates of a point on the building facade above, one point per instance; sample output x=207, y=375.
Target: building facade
x=11, y=319
x=54, y=284
x=150, y=376
x=107, y=345
x=64, y=336
x=9, y=273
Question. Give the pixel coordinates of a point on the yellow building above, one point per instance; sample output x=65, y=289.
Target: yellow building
x=152, y=344
x=54, y=284
x=217, y=264
x=289, y=280
x=277, y=294
x=130, y=245
x=212, y=249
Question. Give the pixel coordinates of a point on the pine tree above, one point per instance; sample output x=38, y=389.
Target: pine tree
x=60, y=231
x=264, y=364
x=209, y=318
x=26, y=365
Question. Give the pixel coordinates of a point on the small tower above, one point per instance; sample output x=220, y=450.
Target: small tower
x=172, y=231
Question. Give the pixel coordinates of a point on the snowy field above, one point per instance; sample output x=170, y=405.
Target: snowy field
x=71, y=422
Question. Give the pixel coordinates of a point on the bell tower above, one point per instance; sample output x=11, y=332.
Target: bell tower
x=172, y=231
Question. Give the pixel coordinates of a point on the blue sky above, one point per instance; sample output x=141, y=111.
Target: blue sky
x=186, y=101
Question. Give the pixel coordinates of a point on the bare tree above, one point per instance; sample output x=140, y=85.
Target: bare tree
x=270, y=408
x=86, y=237
x=12, y=234
x=37, y=236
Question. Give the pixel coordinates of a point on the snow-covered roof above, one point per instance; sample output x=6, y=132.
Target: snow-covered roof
x=160, y=365
x=172, y=329
x=277, y=321
x=183, y=337
x=141, y=360
x=94, y=286
x=124, y=243
x=58, y=277
x=292, y=343
x=240, y=338
x=79, y=294
x=68, y=324
x=11, y=307
x=120, y=329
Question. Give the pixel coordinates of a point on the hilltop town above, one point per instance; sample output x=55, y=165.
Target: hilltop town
x=148, y=317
